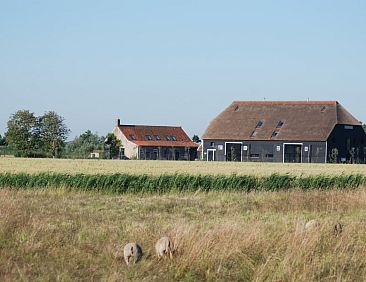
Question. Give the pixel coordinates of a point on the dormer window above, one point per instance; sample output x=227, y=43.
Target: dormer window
x=280, y=124
x=132, y=137
x=148, y=137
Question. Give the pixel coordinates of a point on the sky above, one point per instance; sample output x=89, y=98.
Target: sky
x=176, y=62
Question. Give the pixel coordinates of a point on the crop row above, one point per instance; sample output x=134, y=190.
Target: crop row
x=122, y=183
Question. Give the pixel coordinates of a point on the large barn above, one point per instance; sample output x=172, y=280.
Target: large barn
x=289, y=132
x=148, y=142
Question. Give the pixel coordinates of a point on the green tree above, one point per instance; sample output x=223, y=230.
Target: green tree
x=2, y=141
x=83, y=145
x=196, y=139
x=112, y=145
x=53, y=132
x=22, y=133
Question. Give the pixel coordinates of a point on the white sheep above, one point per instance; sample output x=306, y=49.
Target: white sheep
x=312, y=224
x=132, y=253
x=164, y=247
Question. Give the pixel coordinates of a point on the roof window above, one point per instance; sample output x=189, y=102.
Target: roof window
x=253, y=134
x=275, y=133
x=167, y=137
x=280, y=124
x=157, y=138
x=259, y=124
x=237, y=107
x=148, y=137
x=173, y=138
x=132, y=137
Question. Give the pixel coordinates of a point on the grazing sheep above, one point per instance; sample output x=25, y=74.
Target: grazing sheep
x=132, y=252
x=164, y=247
x=338, y=228
x=312, y=224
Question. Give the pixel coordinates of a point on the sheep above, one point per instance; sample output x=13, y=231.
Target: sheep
x=164, y=247
x=338, y=228
x=132, y=252
x=311, y=225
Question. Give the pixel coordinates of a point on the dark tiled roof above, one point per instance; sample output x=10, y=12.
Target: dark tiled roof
x=139, y=132
x=306, y=121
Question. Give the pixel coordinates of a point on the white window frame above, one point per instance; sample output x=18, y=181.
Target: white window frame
x=241, y=149
x=283, y=149
x=214, y=154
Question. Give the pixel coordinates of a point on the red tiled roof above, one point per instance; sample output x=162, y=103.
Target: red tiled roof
x=140, y=132
x=303, y=120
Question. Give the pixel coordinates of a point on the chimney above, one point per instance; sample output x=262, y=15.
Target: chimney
x=118, y=122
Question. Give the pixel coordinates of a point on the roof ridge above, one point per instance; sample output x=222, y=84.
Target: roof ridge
x=285, y=102
x=145, y=125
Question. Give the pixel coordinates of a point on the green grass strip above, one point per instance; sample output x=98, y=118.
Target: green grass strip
x=128, y=183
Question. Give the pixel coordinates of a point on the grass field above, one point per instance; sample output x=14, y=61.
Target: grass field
x=15, y=165
x=62, y=236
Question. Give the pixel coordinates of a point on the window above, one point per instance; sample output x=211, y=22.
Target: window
x=323, y=109
x=275, y=133
x=167, y=137
x=269, y=156
x=259, y=124
x=212, y=144
x=173, y=138
x=157, y=138
x=253, y=134
x=254, y=156
x=280, y=124
x=236, y=108
x=148, y=137
x=132, y=137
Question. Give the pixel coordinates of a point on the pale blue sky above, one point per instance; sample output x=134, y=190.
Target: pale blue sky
x=176, y=62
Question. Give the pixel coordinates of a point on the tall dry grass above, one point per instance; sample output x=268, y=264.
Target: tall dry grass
x=219, y=236
x=16, y=165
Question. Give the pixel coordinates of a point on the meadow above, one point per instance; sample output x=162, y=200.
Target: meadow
x=54, y=235
x=52, y=232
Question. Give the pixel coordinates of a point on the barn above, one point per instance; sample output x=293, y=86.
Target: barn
x=151, y=142
x=285, y=131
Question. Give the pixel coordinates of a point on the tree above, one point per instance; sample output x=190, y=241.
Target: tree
x=53, y=132
x=84, y=144
x=33, y=136
x=196, y=139
x=113, y=145
x=2, y=141
x=22, y=131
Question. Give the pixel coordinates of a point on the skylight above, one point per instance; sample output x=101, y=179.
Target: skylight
x=259, y=124
x=132, y=137
x=275, y=133
x=148, y=137
x=253, y=134
x=167, y=137
x=280, y=124
x=157, y=138
x=173, y=138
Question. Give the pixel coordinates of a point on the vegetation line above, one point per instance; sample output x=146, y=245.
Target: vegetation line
x=128, y=183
